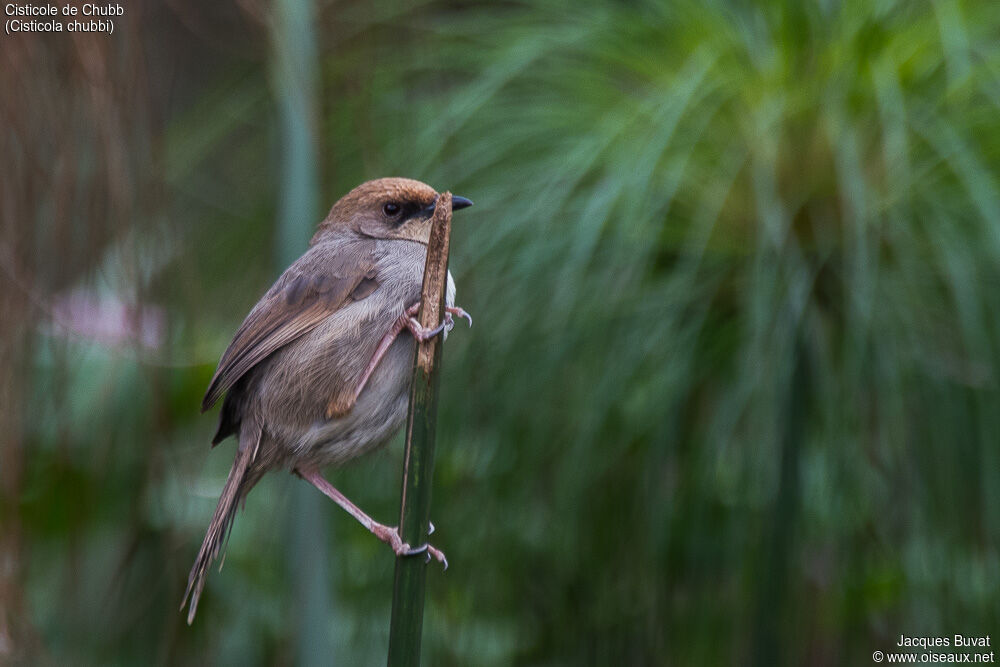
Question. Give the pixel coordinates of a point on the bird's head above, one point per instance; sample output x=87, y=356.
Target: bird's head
x=387, y=208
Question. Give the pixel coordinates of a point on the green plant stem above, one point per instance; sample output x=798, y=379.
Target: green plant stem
x=418, y=462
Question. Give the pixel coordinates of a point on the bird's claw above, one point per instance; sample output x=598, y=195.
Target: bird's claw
x=390, y=536
x=422, y=334
x=436, y=553
x=458, y=312
x=415, y=551
x=427, y=550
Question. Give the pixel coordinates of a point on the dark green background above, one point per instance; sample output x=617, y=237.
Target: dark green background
x=732, y=393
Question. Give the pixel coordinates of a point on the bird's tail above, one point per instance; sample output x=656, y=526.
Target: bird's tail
x=233, y=492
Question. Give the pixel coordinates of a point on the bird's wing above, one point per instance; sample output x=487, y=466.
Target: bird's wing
x=312, y=288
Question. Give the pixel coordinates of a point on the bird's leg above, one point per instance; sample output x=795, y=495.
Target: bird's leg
x=388, y=534
x=406, y=321
x=383, y=347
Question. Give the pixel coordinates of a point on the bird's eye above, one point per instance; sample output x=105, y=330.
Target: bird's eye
x=391, y=209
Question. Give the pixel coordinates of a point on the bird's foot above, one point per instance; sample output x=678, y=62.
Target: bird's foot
x=390, y=535
x=421, y=333
x=418, y=330
x=457, y=312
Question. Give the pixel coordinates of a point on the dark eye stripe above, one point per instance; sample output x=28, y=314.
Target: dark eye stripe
x=402, y=212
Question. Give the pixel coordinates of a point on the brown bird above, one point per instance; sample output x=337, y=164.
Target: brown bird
x=319, y=372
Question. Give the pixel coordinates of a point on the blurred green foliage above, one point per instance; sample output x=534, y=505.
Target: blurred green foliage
x=732, y=394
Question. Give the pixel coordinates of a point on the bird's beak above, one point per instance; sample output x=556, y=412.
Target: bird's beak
x=457, y=203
